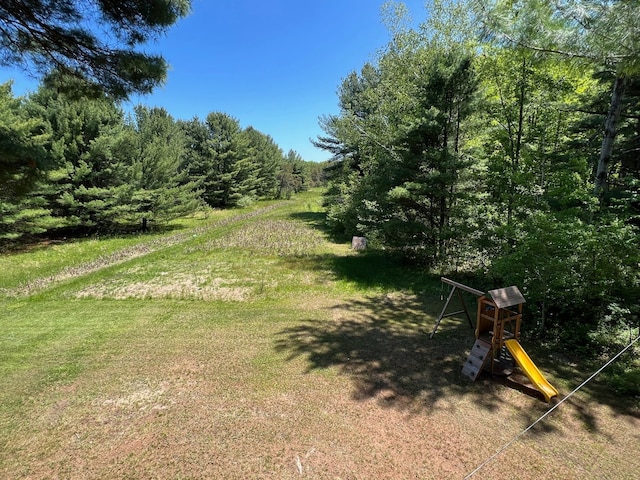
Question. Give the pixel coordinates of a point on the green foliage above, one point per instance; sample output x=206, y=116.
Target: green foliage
x=236, y=167
x=227, y=160
x=623, y=191
x=597, y=31
x=90, y=185
x=526, y=140
x=292, y=177
x=162, y=191
x=23, y=159
x=108, y=174
x=573, y=273
x=22, y=145
x=625, y=380
x=549, y=73
x=198, y=159
x=402, y=178
x=96, y=41
x=267, y=158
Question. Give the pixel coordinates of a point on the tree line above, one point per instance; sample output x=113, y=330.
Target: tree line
x=483, y=141
x=74, y=162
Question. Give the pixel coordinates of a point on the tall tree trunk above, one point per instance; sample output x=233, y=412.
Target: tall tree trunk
x=517, y=145
x=610, y=131
x=521, y=99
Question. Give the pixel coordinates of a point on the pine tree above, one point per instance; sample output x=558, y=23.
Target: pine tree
x=268, y=158
x=235, y=181
x=89, y=185
x=199, y=157
x=22, y=157
x=95, y=40
x=399, y=134
x=162, y=189
x=22, y=140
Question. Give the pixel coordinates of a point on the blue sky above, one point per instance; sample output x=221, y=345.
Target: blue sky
x=275, y=65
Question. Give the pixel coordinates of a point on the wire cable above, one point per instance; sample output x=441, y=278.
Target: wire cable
x=514, y=439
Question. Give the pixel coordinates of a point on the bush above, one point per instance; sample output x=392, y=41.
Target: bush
x=575, y=276
x=625, y=380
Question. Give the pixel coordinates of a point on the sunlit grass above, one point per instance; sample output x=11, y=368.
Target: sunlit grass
x=47, y=263
x=248, y=345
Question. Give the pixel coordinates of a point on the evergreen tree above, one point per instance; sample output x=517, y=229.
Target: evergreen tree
x=89, y=185
x=110, y=174
x=344, y=140
x=162, y=190
x=402, y=179
x=22, y=158
x=316, y=175
x=268, y=158
x=22, y=153
x=292, y=175
x=235, y=181
x=199, y=158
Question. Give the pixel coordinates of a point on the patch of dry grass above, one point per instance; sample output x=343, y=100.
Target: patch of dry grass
x=179, y=285
x=272, y=237
x=239, y=264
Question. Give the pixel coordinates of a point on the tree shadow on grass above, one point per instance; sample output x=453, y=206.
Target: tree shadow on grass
x=317, y=220
x=371, y=270
x=382, y=344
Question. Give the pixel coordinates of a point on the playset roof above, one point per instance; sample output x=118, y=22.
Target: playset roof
x=506, y=297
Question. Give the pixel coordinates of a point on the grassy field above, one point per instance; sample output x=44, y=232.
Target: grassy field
x=248, y=344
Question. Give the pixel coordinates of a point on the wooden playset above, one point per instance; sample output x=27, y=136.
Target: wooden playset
x=497, y=331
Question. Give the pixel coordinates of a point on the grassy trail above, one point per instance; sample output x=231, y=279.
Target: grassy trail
x=250, y=345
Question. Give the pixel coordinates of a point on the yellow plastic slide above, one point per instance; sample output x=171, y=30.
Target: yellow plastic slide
x=530, y=370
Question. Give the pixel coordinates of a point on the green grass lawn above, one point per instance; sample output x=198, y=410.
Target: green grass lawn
x=249, y=344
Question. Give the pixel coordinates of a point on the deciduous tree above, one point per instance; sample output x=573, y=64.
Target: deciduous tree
x=600, y=32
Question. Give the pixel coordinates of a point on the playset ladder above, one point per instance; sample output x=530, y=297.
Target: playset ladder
x=477, y=359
